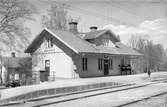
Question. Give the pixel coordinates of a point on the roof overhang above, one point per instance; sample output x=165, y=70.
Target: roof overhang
x=31, y=46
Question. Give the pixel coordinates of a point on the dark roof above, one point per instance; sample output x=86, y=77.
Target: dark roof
x=98, y=33
x=72, y=41
x=94, y=34
x=12, y=62
x=79, y=45
x=75, y=41
x=120, y=49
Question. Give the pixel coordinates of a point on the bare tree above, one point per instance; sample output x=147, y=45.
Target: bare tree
x=153, y=53
x=25, y=67
x=137, y=42
x=57, y=19
x=156, y=56
x=12, y=16
x=165, y=60
x=13, y=34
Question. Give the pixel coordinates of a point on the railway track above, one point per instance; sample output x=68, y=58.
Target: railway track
x=140, y=100
x=144, y=99
x=44, y=101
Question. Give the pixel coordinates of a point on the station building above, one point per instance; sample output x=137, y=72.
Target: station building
x=71, y=54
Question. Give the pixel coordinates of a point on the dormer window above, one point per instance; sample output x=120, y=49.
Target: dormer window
x=105, y=42
x=108, y=43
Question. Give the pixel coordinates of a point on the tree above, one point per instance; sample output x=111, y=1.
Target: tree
x=12, y=15
x=57, y=19
x=137, y=42
x=25, y=68
x=165, y=60
x=153, y=53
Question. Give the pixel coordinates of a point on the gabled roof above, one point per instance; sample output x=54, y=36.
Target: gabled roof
x=93, y=34
x=98, y=33
x=79, y=45
x=72, y=41
x=120, y=49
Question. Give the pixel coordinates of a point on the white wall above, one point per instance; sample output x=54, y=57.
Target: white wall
x=60, y=62
x=93, y=66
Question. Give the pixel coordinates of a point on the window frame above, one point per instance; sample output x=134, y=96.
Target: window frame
x=84, y=64
x=100, y=64
x=47, y=63
x=111, y=63
x=49, y=42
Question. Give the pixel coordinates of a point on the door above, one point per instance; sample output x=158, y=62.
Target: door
x=43, y=76
x=47, y=69
x=106, y=67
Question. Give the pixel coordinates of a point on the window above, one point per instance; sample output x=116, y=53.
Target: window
x=47, y=63
x=51, y=40
x=84, y=64
x=105, y=42
x=50, y=43
x=100, y=64
x=110, y=63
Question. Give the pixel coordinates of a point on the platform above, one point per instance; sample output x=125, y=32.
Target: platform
x=61, y=86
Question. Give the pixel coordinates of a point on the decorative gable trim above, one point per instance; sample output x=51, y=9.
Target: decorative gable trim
x=61, y=40
x=28, y=50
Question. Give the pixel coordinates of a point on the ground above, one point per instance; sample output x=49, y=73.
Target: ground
x=118, y=98
x=106, y=99
x=11, y=92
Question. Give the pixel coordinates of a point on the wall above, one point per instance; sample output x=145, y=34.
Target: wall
x=60, y=62
x=116, y=63
x=93, y=65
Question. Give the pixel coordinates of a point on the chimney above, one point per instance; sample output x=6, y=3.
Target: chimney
x=13, y=54
x=93, y=28
x=118, y=37
x=73, y=27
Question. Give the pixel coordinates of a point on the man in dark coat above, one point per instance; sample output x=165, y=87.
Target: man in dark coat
x=149, y=73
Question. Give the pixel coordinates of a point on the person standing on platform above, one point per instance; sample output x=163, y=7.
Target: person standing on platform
x=149, y=73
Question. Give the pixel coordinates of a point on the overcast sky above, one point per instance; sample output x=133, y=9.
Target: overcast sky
x=124, y=17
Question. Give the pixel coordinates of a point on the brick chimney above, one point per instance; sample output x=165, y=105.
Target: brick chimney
x=73, y=27
x=93, y=28
x=13, y=54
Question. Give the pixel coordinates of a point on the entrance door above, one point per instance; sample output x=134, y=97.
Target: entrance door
x=43, y=76
x=106, y=67
x=47, y=69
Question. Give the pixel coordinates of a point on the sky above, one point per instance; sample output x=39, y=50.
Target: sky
x=123, y=17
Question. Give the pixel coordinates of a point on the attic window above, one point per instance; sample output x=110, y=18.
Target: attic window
x=50, y=43
x=51, y=40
